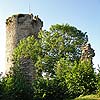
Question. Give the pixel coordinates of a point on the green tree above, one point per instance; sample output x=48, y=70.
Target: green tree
x=14, y=86
x=61, y=41
x=54, y=89
x=55, y=53
x=82, y=79
x=98, y=80
x=1, y=87
x=29, y=48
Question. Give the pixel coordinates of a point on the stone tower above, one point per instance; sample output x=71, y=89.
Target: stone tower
x=18, y=27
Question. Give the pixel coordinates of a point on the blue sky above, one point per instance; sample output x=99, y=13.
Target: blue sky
x=83, y=14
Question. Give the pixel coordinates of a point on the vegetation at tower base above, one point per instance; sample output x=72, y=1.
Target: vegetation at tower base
x=54, y=89
x=14, y=86
x=56, y=60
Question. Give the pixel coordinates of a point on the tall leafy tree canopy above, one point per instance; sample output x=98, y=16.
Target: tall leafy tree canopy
x=60, y=42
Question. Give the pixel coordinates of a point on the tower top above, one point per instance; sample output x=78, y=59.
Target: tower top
x=20, y=18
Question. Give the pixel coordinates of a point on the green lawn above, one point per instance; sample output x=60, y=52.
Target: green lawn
x=88, y=97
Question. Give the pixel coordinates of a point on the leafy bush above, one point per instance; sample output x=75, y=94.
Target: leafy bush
x=53, y=89
x=82, y=79
x=1, y=88
x=14, y=87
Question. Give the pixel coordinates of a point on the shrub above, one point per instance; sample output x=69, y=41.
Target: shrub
x=53, y=89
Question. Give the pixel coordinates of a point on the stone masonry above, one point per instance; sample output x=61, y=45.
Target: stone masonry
x=87, y=53
x=18, y=27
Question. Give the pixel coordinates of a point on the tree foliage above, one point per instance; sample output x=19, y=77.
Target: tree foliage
x=82, y=79
x=62, y=41
x=54, y=89
x=14, y=86
x=59, y=72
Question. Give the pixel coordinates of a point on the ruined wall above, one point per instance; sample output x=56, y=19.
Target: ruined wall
x=87, y=53
x=18, y=27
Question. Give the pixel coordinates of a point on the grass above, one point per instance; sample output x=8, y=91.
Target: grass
x=88, y=97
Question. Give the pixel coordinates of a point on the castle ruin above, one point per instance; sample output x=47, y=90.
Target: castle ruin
x=23, y=25
x=18, y=27
x=87, y=53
